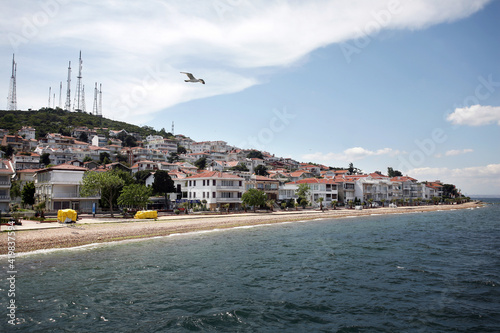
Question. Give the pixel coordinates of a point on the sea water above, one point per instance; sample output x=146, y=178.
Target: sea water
x=421, y=272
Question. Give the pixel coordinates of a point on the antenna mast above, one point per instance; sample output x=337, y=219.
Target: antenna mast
x=12, y=99
x=60, y=95
x=50, y=93
x=67, y=107
x=99, y=112
x=94, y=109
x=83, y=97
x=79, y=93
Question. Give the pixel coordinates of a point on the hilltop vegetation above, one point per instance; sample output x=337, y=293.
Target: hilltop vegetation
x=59, y=121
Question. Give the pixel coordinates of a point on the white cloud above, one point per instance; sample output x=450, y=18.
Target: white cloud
x=350, y=154
x=120, y=40
x=471, y=180
x=475, y=115
x=455, y=152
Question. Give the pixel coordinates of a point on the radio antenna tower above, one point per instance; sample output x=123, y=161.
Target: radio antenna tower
x=99, y=110
x=94, y=109
x=50, y=94
x=83, y=98
x=78, y=98
x=12, y=99
x=172, y=127
x=67, y=107
x=60, y=95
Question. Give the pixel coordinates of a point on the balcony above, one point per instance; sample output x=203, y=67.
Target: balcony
x=72, y=196
x=228, y=199
x=230, y=187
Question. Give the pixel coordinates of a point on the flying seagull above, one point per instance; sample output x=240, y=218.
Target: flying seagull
x=192, y=78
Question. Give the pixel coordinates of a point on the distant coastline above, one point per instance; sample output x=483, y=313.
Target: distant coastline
x=92, y=231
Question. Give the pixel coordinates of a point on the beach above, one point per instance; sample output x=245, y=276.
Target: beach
x=100, y=230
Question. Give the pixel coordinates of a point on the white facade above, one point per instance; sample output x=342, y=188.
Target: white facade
x=59, y=188
x=217, y=188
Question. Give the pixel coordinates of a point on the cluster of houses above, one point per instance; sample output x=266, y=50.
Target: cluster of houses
x=228, y=172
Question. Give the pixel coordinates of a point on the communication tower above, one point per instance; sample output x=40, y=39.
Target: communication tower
x=67, y=107
x=12, y=99
x=79, y=89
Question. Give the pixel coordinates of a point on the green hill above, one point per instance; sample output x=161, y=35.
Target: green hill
x=59, y=121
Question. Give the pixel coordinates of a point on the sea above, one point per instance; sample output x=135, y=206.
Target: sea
x=418, y=272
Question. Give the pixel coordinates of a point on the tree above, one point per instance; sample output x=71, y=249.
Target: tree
x=141, y=176
x=28, y=194
x=173, y=157
x=107, y=184
x=261, y=170
x=8, y=150
x=104, y=158
x=135, y=195
x=45, y=159
x=240, y=167
x=320, y=199
x=254, y=197
x=302, y=192
x=163, y=184
x=201, y=163
x=393, y=173
x=15, y=189
x=130, y=141
x=87, y=159
x=83, y=137
x=255, y=154
x=181, y=150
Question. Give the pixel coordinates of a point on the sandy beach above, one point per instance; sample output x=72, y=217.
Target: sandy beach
x=89, y=230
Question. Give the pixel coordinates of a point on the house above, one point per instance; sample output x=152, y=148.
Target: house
x=6, y=173
x=160, y=143
x=268, y=185
x=27, y=132
x=26, y=160
x=319, y=188
x=59, y=188
x=16, y=142
x=217, y=188
x=99, y=141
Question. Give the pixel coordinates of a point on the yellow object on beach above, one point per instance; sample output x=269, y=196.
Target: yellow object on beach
x=146, y=214
x=66, y=215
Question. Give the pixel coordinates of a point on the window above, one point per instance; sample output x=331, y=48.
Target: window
x=189, y=183
x=213, y=194
x=240, y=183
x=203, y=182
x=203, y=195
x=194, y=182
x=214, y=182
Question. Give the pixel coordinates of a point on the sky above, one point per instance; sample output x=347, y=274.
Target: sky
x=408, y=84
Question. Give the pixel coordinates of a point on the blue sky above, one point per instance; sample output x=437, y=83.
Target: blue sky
x=413, y=85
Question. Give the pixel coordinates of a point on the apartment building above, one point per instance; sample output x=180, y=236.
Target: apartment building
x=217, y=188
x=6, y=173
x=59, y=188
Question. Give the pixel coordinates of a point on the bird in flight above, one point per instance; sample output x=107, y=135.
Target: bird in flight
x=192, y=78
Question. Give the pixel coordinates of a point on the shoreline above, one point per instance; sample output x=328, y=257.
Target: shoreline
x=86, y=231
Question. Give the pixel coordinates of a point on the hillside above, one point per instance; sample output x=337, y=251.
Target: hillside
x=60, y=121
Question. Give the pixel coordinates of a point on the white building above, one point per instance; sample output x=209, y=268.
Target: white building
x=59, y=188
x=217, y=188
x=318, y=188
x=6, y=173
x=27, y=132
